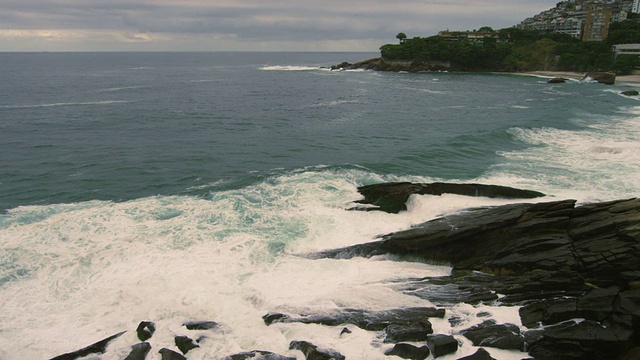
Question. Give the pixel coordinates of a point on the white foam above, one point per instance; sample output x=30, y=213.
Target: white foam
x=288, y=68
x=103, y=102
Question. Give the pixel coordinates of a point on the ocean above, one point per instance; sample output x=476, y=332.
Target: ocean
x=171, y=187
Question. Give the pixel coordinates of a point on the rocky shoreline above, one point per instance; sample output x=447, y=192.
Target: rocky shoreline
x=574, y=271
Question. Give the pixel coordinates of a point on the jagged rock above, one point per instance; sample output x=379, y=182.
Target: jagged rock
x=408, y=351
x=392, y=197
x=200, y=325
x=312, y=352
x=441, y=344
x=490, y=334
x=168, y=354
x=481, y=354
x=258, y=355
x=139, y=351
x=374, y=320
x=184, y=343
x=95, y=348
x=345, y=331
x=343, y=65
x=630, y=93
x=607, y=78
x=557, y=80
x=577, y=340
x=413, y=332
x=145, y=330
x=548, y=311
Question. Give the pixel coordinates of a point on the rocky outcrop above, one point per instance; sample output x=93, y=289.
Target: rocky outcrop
x=630, y=93
x=607, y=78
x=381, y=64
x=258, y=355
x=95, y=348
x=392, y=197
x=557, y=80
x=313, y=352
x=408, y=351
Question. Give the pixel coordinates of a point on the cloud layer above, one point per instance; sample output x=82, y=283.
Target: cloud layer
x=242, y=24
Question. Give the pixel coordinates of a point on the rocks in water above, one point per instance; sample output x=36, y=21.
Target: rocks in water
x=312, y=352
x=368, y=320
x=490, y=334
x=607, y=78
x=408, y=351
x=481, y=354
x=139, y=351
x=168, y=354
x=258, y=355
x=145, y=330
x=417, y=331
x=200, y=325
x=630, y=93
x=392, y=197
x=442, y=344
x=185, y=343
x=345, y=331
x=95, y=348
x=557, y=80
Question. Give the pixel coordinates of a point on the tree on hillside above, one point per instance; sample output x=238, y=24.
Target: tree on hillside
x=485, y=29
x=402, y=37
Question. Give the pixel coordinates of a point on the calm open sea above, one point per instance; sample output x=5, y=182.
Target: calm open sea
x=179, y=186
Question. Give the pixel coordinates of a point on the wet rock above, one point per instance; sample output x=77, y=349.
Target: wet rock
x=312, y=352
x=168, y=354
x=607, y=78
x=481, y=354
x=392, y=197
x=630, y=93
x=345, y=331
x=557, y=80
x=368, y=320
x=412, y=332
x=442, y=344
x=95, y=348
x=490, y=334
x=408, y=351
x=184, y=343
x=200, y=325
x=145, y=330
x=258, y=355
x=139, y=351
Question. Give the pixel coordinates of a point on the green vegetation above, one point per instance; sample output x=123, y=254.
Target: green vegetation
x=515, y=49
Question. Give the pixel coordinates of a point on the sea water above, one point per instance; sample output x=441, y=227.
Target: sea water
x=172, y=187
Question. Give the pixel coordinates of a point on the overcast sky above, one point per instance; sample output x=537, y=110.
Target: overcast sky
x=244, y=25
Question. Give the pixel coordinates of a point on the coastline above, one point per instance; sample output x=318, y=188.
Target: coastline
x=627, y=79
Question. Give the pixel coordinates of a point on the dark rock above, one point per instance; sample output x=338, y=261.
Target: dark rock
x=392, y=197
x=481, y=354
x=630, y=93
x=342, y=66
x=373, y=320
x=557, y=80
x=441, y=344
x=258, y=355
x=408, y=351
x=577, y=340
x=168, y=354
x=200, y=325
x=548, y=311
x=139, y=351
x=490, y=334
x=312, y=352
x=345, y=331
x=631, y=354
x=97, y=348
x=184, y=343
x=145, y=330
x=412, y=332
x=607, y=78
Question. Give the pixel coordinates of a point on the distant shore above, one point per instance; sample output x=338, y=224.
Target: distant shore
x=630, y=79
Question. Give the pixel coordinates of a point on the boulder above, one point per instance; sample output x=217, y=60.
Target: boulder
x=630, y=93
x=139, y=351
x=408, y=351
x=442, y=344
x=607, y=78
x=168, y=354
x=481, y=354
x=145, y=330
x=258, y=355
x=184, y=343
x=312, y=352
x=96, y=348
x=200, y=325
x=413, y=332
x=557, y=80
x=490, y=334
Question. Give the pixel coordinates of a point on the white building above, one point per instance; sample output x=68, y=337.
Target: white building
x=626, y=49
